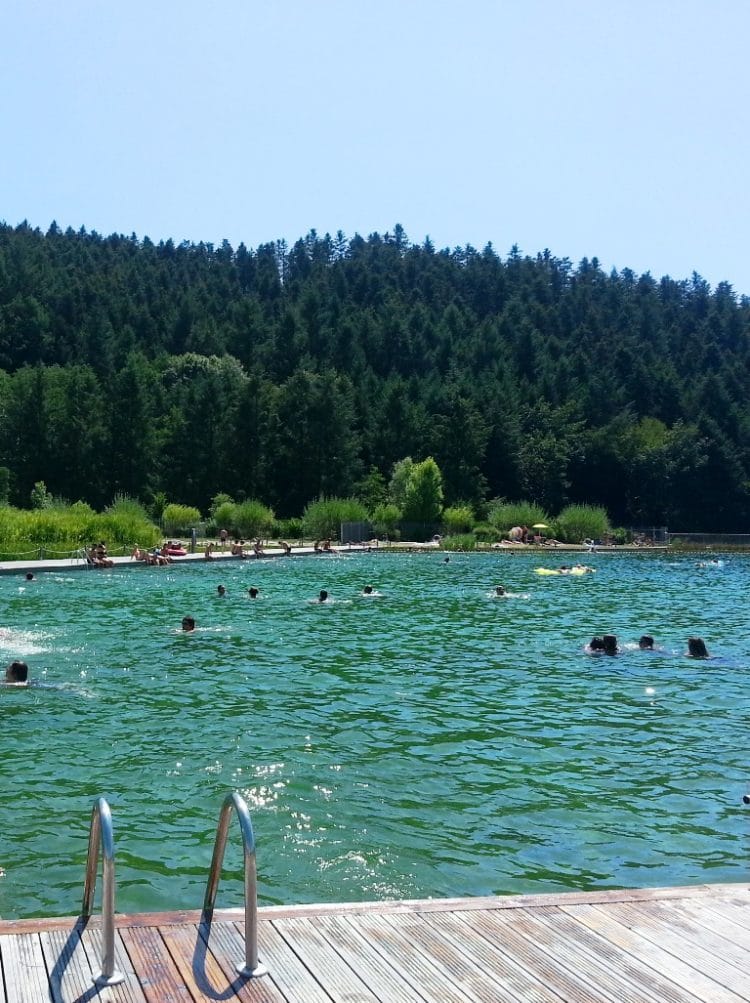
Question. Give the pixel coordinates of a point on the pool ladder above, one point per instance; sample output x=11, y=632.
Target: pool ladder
x=101, y=837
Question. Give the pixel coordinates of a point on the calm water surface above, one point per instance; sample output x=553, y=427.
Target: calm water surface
x=431, y=741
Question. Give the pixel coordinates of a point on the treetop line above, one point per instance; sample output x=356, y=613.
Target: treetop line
x=289, y=373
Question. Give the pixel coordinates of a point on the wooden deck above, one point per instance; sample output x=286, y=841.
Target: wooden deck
x=668, y=945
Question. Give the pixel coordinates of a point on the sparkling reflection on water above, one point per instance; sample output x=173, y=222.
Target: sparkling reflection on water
x=428, y=741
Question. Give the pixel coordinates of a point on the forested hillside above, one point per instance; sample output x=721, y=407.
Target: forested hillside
x=281, y=373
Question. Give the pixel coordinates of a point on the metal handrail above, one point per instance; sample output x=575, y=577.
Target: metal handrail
x=252, y=967
x=101, y=836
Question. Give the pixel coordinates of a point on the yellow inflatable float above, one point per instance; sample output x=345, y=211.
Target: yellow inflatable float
x=578, y=569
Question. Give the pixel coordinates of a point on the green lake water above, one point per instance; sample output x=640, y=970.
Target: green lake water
x=430, y=741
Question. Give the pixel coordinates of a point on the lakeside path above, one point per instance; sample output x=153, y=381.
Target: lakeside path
x=682, y=945
x=78, y=563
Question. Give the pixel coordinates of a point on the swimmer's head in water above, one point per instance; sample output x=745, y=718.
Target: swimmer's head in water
x=646, y=641
x=252, y=592
x=367, y=590
x=17, y=672
x=322, y=596
x=499, y=590
x=221, y=590
x=188, y=623
x=596, y=644
x=697, y=647
x=610, y=644
x=29, y=576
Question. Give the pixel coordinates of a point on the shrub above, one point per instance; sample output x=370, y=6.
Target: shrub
x=216, y=503
x=458, y=519
x=485, y=533
x=40, y=496
x=505, y=515
x=385, y=519
x=423, y=501
x=225, y=517
x=253, y=518
x=4, y=485
x=322, y=519
x=126, y=506
x=157, y=504
x=179, y=518
x=581, y=522
x=462, y=541
x=290, y=529
x=61, y=532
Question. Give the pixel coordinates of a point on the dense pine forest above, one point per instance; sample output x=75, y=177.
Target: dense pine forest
x=289, y=372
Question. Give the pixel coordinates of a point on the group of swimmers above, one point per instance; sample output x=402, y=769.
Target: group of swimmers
x=188, y=622
x=252, y=592
x=607, y=645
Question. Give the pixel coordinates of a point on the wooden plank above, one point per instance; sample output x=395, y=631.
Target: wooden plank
x=491, y=902
x=288, y=971
x=669, y=933
x=508, y=930
x=325, y=963
x=70, y=975
x=736, y=913
x=458, y=958
x=649, y=946
x=228, y=946
x=128, y=991
x=24, y=970
x=734, y=892
x=3, y=997
x=575, y=949
x=587, y=949
x=384, y=977
x=156, y=973
x=609, y=922
x=202, y=973
x=710, y=928
x=515, y=979
x=435, y=976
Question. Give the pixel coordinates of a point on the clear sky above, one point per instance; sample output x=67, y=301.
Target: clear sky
x=615, y=130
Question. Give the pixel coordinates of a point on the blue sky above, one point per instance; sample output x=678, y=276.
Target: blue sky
x=593, y=129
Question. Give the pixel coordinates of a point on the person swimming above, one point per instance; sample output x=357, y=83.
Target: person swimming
x=17, y=674
x=499, y=590
x=596, y=644
x=221, y=591
x=188, y=623
x=697, y=648
x=646, y=643
x=367, y=590
x=322, y=596
x=610, y=644
x=252, y=592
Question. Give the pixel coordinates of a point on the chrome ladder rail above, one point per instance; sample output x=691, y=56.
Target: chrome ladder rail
x=101, y=836
x=252, y=968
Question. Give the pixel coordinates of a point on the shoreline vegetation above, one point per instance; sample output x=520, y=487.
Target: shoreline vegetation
x=410, y=510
